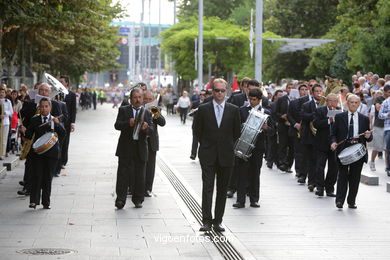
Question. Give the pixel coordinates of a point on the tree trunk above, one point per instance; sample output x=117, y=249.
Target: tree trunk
x=22, y=50
x=1, y=40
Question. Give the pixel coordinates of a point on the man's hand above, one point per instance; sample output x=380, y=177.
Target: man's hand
x=284, y=116
x=367, y=134
x=55, y=120
x=132, y=122
x=297, y=126
x=72, y=128
x=265, y=126
x=333, y=146
x=144, y=126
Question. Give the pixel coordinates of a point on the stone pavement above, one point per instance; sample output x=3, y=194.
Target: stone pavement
x=293, y=223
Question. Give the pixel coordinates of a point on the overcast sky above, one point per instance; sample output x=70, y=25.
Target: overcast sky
x=134, y=7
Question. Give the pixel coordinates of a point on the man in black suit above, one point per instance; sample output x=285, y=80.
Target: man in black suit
x=70, y=100
x=323, y=124
x=153, y=144
x=132, y=152
x=194, y=107
x=286, y=145
x=217, y=127
x=295, y=119
x=243, y=87
x=249, y=177
x=65, y=118
x=348, y=126
x=307, y=136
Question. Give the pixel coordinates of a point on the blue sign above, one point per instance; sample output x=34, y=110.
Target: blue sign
x=124, y=30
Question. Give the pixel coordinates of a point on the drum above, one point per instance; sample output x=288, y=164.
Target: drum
x=252, y=127
x=45, y=143
x=352, y=154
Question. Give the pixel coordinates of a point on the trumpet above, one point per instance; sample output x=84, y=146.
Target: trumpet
x=313, y=129
x=155, y=111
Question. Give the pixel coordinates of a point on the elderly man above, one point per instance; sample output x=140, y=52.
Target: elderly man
x=349, y=128
x=384, y=113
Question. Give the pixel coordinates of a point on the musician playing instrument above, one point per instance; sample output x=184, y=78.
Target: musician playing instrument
x=307, y=137
x=153, y=142
x=132, y=150
x=44, y=164
x=249, y=177
x=323, y=124
x=350, y=127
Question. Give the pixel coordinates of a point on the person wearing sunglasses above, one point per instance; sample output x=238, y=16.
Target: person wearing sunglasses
x=217, y=127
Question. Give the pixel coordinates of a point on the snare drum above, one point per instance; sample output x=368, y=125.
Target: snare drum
x=45, y=143
x=352, y=154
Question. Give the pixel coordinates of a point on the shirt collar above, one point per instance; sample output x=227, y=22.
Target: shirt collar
x=48, y=116
x=354, y=114
x=216, y=104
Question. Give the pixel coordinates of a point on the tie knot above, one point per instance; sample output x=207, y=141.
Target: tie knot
x=136, y=108
x=352, y=114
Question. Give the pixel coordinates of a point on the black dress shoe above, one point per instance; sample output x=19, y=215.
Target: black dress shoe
x=119, y=204
x=46, y=207
x=32, y=205
x=23, y=192
x=218, y=227
x=239, y=205
x=229, y=194
x=138, y=205
x=289, y=170
x=62, y=166
x=352, y=206
x=330, y=194
x=255, y=205
x=205, y=228
x=301, y=180
x=339, y=205
x=192, y=157
x=283, y=168
x=310, y=187
x=21, y=183
x=319, y=193
x=269, y=165
x=148, y=193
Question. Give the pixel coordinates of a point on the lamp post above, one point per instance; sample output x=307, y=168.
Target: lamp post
x=200, y=45
x=259, y=39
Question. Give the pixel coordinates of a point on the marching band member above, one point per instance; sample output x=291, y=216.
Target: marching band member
x=249, y=177
x=350, y=127
x=308, y=110
x=153, y=144
x=132, y=153
x=44, y=164
x=323, y=124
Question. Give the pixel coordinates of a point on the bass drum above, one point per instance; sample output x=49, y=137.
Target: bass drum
x=45, y=143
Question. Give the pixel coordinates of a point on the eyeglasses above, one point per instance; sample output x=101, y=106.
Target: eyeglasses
x=219, y=90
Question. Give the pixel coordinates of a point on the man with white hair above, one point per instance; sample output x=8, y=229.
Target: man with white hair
x=387, y=79
x=364, y=86
x=350, y=128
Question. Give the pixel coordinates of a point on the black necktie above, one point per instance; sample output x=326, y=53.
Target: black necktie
x=136, y=112
x=317, y=103
x=44, y=119
x=350, y=129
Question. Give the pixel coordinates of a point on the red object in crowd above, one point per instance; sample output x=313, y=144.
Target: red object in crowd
x=14, y=120
x=210, y=83
x=235, y=84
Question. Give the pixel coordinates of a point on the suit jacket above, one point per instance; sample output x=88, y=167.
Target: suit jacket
x=282, y=108
x=261, y=137
x=294, y=113
x=35, y=128
x=30, y=107
x=216, y=144
x=153, y=136
x=64, y=109
x=232, y=95
x=71, y=103
x=320, y=122
x=307, y=113
x=127, y=147
x=340, y=131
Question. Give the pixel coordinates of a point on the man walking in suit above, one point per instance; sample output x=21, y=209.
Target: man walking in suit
x=323, y=124
x=217, y=127
x=194, y=107
x=132, y=151
x=348, y=126
x=70, y=100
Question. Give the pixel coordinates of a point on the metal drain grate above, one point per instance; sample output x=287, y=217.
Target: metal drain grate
x=46, y=251
x=224, y=247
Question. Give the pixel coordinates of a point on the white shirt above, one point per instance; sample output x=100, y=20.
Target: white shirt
x=135, y=111
x=220, y=109
x=184, y=102
x=255, y=108
x=48, y=117
x=8, y=110
x=363, y=109
x=355, y=122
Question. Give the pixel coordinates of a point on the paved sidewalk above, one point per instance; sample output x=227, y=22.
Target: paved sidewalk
x=293, y=223
x=83, y=217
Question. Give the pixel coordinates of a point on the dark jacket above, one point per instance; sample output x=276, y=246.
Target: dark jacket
x=153, y=136
x=307, y=113
x=71, y=103
x=321, y=123
x=216, y=144
x=127, y=147
x=29, y=109
x=340, y=131
x=282, y=108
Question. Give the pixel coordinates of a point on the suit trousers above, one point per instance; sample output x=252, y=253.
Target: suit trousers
x=42, y=175
x=128, y=167
x=349, y=177
x=285, y=147
x=299, y=156
x=150, y=169
x=28, y=174
x=233, y=181
x=209, y=172
x=65, y=147
x=249, y=179
x=272, y=149
x=310, y=164
x=194, y=148
x=331, y=175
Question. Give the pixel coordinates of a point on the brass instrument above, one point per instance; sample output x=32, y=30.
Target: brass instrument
x=312, y=128
x=155, y=111
x=26, y=148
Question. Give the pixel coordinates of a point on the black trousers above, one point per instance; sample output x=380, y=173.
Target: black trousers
x=65, y=147
x=59, y=162
x=272, y=149
x=285, y=147
x=209, y=172
x=128, y=168
x=349, y=177
x=249, y=179
x=150, y=169
x=42, y=175
x=310, y=164
x=331, y=175
x=28, y=174
x=299, y=156
x=183, y=114
x=194, y=149
x=233, y=180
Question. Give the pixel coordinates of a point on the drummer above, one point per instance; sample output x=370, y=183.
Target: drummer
x=43, y=164
x=249, y=177
x=349, y=128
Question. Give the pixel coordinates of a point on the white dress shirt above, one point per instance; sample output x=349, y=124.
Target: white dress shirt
x=8, y=110
x=355, y=122
x=48, y=117
x=218, y=110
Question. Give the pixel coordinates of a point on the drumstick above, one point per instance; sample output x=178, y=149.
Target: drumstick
x=50, y=120
x=354, y=137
